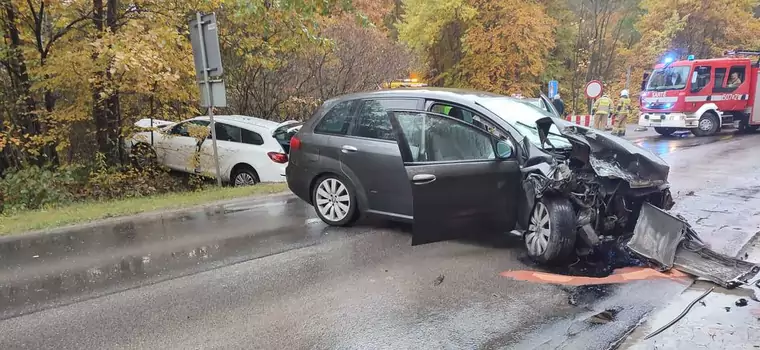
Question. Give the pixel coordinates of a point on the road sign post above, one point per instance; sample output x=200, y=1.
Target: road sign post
x=553, y=89
x=204, y=39
x=593, y=90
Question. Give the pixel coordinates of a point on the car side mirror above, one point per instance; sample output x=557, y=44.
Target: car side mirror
x=504, y=149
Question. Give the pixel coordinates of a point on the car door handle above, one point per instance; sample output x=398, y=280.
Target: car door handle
x=423, y=179
x=348, y=149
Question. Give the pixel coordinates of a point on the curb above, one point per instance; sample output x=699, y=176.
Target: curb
x=27, y=239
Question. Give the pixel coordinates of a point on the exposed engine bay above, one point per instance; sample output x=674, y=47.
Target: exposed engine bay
x=606, y=180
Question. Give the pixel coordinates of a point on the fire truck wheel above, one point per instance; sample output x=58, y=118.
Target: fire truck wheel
x=708, y=125
x=665, y=131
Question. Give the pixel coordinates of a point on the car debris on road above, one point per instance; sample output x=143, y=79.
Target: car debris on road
x=667, y=241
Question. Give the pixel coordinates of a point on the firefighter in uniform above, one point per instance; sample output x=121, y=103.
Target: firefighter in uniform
x=622, y=113
x=601, y=111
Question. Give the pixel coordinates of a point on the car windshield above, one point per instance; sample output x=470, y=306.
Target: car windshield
x=671, y=78
x=523, y=116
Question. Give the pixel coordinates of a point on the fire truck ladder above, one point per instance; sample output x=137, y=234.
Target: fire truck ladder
x=740, y=52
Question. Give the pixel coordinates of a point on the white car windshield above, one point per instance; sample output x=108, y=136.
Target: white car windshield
x=523, y=116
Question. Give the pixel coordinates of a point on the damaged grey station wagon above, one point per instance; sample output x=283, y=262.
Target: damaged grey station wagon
x=460, y=163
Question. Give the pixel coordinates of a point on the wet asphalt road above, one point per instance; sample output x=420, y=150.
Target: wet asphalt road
x=267, y=274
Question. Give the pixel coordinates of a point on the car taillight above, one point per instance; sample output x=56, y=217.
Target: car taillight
x=278, y=157
x=295, y=143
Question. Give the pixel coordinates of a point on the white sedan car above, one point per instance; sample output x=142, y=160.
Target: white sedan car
x=251, y=150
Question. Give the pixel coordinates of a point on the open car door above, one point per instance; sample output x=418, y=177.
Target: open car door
x=284, y=132
x=549, y=105
x=464, y=181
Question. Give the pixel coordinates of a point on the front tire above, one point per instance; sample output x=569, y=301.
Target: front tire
x=551, y=235
x=335, y=201
x=665, y=131
x=709, y=124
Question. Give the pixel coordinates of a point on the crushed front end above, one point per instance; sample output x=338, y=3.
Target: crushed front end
x=606, y=180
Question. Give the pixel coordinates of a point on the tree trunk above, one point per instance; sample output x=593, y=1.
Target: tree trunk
x=98, y=108
x=113, y=106
x=16, y=64
x=105, y=107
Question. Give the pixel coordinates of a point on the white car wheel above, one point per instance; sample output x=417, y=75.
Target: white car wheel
x=244, y=179
x=244, y=176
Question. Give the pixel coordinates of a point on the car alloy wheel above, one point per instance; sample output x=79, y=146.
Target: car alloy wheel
x=332, y=200
x=539, y=230
x=244, y=179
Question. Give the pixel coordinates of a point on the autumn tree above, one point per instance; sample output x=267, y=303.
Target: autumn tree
x=356, y=58
x=500, y=46
x=694, y=27
x=506, y=46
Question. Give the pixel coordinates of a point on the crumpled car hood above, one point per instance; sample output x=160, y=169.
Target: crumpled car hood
x=610, y=156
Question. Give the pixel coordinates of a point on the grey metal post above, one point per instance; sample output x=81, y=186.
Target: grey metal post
x=210, y=99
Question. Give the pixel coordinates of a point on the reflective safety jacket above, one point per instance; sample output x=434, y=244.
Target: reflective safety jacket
x=624, y=106
x=603, y=106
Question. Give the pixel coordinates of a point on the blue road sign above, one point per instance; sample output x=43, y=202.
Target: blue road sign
x=553, y=88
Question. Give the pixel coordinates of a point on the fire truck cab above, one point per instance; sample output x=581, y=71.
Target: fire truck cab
x=702, y=95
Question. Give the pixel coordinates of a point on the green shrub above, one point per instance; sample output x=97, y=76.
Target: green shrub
x=33, y=187
x=36, y=187
x=129, y=182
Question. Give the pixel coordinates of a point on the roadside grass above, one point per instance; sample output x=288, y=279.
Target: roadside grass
x=20, y=222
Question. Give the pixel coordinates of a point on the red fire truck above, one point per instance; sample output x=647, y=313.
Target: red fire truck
x=702, y=95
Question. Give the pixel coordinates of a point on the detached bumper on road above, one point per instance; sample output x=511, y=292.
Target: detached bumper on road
x=669, y=242
x=669, y=120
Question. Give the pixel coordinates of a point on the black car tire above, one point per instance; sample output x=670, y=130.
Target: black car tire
x=707, y=118
x=665, y=131
x=558, y=232
x=340, y=195
x=244, y=176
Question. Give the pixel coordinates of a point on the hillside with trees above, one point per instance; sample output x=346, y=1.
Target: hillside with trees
x=76, y=74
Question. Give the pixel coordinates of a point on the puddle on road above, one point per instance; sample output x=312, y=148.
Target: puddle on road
x=59, y=269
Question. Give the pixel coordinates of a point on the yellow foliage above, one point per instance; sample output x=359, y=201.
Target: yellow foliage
x=507, y=47
x=504, y=45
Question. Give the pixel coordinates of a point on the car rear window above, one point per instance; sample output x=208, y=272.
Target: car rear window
x=251, y=138
x=225, y=132
x=337, y=120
